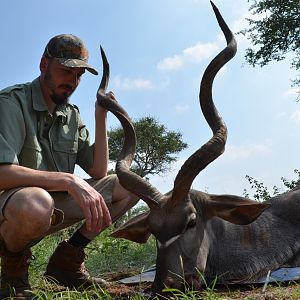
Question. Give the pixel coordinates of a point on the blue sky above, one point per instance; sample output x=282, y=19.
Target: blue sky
x=158, y=51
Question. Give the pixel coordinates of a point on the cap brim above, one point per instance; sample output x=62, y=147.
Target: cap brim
x=77, y=63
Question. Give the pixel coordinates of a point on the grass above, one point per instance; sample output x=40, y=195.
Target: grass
x=114, y=258
x=105, y=257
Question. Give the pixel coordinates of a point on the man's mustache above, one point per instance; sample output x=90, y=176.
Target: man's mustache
x=68, y=87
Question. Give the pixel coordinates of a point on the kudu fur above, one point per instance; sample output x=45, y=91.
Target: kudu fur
x=197, y=232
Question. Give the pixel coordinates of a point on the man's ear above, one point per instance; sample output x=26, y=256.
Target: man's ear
x=44, y=64
x=136, y=229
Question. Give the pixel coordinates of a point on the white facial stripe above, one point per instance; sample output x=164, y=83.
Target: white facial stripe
x=167, y=243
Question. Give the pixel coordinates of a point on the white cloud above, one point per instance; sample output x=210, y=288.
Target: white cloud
x=295, y=117
x=182, y=108
x=281, y=115
x=132, y=84
x=199, y=52
x=240, y=24
x=171, y=63
x=292, y=92
x=193, y=54
x=242, y=152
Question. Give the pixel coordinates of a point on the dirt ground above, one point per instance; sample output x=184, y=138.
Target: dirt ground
x=118, y=291
x=121, y=292
x=283, y=291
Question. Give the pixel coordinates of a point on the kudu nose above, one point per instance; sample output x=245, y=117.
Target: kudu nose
x=174, y=282
x=194, y=282
x=189, y=282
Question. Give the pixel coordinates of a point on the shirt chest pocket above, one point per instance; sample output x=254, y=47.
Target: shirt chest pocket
x=64, y=154
x=31, y=153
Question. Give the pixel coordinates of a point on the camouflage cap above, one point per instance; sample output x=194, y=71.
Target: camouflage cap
x=70, y=51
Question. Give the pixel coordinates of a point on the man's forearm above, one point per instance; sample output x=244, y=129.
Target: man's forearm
x=92, y=204
x=100, y=165
x=12, y=176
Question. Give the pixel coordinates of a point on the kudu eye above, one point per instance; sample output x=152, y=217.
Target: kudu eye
x=192, y=222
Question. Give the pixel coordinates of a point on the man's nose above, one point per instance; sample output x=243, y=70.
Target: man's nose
x=74, y=80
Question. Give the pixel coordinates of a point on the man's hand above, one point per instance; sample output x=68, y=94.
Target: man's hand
x=90, y=201
x=92, y=204
x=99, y=108
x=111, y=95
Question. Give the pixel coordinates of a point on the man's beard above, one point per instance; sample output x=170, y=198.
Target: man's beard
x=58, y=99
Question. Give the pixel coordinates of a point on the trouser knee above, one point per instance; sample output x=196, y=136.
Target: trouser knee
x=30, y=209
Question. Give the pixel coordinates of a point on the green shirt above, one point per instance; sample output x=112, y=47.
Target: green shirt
x=30, y=136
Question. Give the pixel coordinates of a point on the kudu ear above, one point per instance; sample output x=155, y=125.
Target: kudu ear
x=235, y=209
x=135, y=230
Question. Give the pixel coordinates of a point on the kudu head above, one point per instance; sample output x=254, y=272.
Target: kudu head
x=174, y=219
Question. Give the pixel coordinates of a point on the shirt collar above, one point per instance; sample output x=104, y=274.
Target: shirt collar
x=38, y=101
x=61, y=111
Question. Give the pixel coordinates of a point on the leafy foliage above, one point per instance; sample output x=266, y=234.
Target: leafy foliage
x=107, y=254
x=136, y=210
x=156, y=146
x=275, y=33
x=261, y=192
x=293, y=183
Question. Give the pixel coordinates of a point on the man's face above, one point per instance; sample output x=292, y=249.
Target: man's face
x=61, y=81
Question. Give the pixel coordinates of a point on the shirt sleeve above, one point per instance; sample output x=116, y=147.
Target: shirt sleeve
x=12, y=130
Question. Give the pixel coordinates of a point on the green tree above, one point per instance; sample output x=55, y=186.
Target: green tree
x=261, y=192
x=156, y=150
x=275, y=33
x=156, y=146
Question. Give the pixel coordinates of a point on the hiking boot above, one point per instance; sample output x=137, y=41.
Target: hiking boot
x=66, y=267
x=14, y=275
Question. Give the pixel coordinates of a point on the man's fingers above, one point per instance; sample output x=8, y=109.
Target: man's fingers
x=88, y=218
x=107, y=219
x=99, y=220
x=94, y=208
x=96, y=216
x=106, y=214
x=100, y=216
x=111, y=95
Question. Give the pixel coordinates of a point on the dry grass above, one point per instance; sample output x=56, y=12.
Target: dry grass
x=285, y=292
